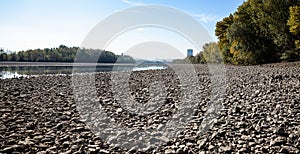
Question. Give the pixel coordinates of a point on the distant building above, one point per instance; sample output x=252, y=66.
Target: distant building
x=189, y=52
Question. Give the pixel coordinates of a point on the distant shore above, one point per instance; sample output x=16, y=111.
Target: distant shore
x=11, y=64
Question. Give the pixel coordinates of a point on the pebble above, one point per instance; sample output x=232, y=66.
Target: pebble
x=226, y=149
x=104, y=151
x=169, y=151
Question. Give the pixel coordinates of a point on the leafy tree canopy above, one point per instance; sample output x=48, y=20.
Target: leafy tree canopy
x=65, y=54
x=261, y=31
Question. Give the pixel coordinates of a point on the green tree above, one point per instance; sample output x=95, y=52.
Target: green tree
x=107, y=57
x=14, y=57
x=258, y=33
x=3, y=55
x=271, y=17
x=199, y=58
x=211, y=53
x=221, y=32
x=294, y=24
x=124, y=59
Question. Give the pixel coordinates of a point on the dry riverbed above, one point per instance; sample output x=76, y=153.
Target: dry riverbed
x=260, y=114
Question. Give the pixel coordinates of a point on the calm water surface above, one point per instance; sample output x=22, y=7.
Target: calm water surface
x=23, y=71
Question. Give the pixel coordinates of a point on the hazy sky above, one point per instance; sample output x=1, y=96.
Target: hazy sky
x=30, y=24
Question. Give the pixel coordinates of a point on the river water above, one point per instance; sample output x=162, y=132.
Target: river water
x=24, y=71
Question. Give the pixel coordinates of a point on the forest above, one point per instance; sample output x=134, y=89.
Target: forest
x=65, y=54
x=261, y=31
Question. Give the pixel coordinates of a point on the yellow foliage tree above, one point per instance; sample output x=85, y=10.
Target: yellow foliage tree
x=294, y=23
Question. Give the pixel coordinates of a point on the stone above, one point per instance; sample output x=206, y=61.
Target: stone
x=243, y=150
x=39, y=137
x=102, y=151
x=42, y=146
x=226, y=149
x=169, y=151
x=278, y=141
x=119, y=110
x=211, y=147
x=245, y=137
x=26, y=142
x=201, y=143
x=92, y=150
x=66, y=144
x=252, y=143
x=280, y=131
x=13, y=148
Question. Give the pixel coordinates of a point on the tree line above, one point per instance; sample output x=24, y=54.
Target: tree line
x=65, y=54
x=261, y=31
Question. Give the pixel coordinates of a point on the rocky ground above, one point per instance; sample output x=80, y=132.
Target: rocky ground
x=260, y=113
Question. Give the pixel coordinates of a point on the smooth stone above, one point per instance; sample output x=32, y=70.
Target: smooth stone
x=226, y=149
x=104, y=151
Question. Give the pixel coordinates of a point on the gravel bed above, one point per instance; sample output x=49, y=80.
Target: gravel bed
x=260, y=113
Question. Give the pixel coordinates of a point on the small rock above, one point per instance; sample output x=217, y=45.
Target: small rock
x=245, y=138
x=92, y=149
x=168, y=151
x=104, y=151
x=74, y=147
x=39, y=137
x=26, y=142
x=211, y=147
x=201, y=142
x=226, y=149
x=93, y=146
x=252, y=143
x=13, y=148
x=278, y=141
x=66, y=144
x=242, y=150
x=119, y=110
x=280, y=131
x=67, y=152
x=42, y=146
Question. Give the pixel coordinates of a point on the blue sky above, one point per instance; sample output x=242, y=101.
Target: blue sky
x=30, y=24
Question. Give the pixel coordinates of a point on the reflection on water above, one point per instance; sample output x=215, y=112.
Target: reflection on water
x=23, y=71
x=148, y=68
x=7, y=75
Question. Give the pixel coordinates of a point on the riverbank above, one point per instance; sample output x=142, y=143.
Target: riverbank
x=260, y=114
